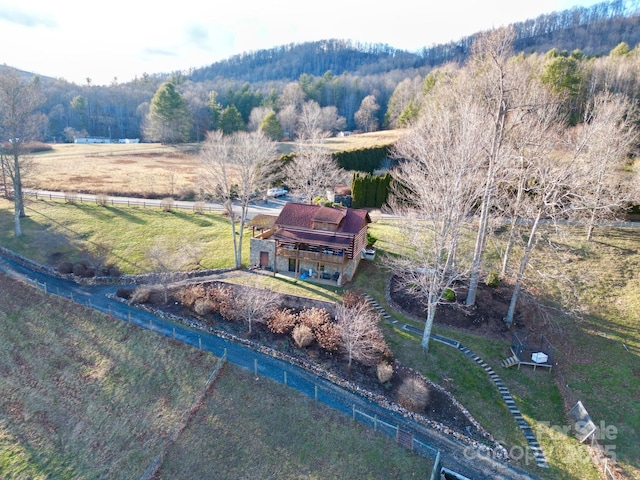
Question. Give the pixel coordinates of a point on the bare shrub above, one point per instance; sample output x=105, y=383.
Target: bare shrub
x=362, y=339
x=328, y=337
x=102, y=199
x=188, y=295
x=198, y=207
x=314, y=317
x=89, y=273
x=141, y=294
x=384, y=371
x=79, y=269
x=351, y=298
x=124, y=293
x=113, y=271
x=186, y=193
x=167, y=204
x=282, y=321
x=255, y=305
x=223, y=301
x=65, y=268
x=413, y=394
x=302, y=336
x=203, y=306
x=71, y=197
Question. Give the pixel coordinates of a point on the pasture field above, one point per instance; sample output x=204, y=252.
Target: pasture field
x=82, y=395
x=149, y=170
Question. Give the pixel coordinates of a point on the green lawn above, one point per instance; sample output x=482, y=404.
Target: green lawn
x=55, y=231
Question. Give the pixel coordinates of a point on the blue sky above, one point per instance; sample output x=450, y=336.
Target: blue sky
x=76, y=40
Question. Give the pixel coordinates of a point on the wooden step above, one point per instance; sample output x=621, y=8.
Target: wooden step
x=510, y=362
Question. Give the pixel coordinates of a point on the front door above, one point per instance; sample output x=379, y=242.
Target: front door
x=264, y=259
x=292, y=264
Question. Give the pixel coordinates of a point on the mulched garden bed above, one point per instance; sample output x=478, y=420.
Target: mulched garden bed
x=441, y=409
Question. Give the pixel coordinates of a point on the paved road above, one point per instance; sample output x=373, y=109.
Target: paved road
x=272, y=207
x=454, y=454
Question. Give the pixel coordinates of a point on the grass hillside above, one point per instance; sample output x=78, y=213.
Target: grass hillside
x=84, y=396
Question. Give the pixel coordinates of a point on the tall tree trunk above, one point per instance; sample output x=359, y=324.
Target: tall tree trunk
x=428, y=325
x=18, y=201
x=234, y=233
x=494, y=154
x=512, y=230
x=5, y=187
x=592, y=218
x=523, y=266
x=432, y=304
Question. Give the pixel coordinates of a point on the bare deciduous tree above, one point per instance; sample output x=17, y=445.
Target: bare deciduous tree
x=166, y=261
x=312, y=170
x=292, y=95
x=488, y=67
x=235, y=167
x=367, y=115
x=314, y=118
x=610, y=132
x=255, y=304
x=288, y=118
x=435, y=190
x=533, y=134
x=554, y=186
x=256, y=116
x=361, y=337
x=19, y=124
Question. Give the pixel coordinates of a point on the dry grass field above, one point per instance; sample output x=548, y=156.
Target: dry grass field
x=149, y=170
x=145, y=170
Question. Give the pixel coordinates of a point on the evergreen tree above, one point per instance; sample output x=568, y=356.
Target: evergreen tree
x=271, y=127
x=231, y=120
x=168, y=120
x=382, y=187
x=215, y=110
x=370, y=193
x=356, y=191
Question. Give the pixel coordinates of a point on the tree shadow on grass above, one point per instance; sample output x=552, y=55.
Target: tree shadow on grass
x=126, y=215
x=197, y=220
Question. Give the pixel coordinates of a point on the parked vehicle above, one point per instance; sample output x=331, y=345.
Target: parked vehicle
x=277, y=192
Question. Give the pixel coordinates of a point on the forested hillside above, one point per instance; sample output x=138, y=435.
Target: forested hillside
x=594, y=31
x=358, y=86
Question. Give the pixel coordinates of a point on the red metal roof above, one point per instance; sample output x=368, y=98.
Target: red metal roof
x=301, y=216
